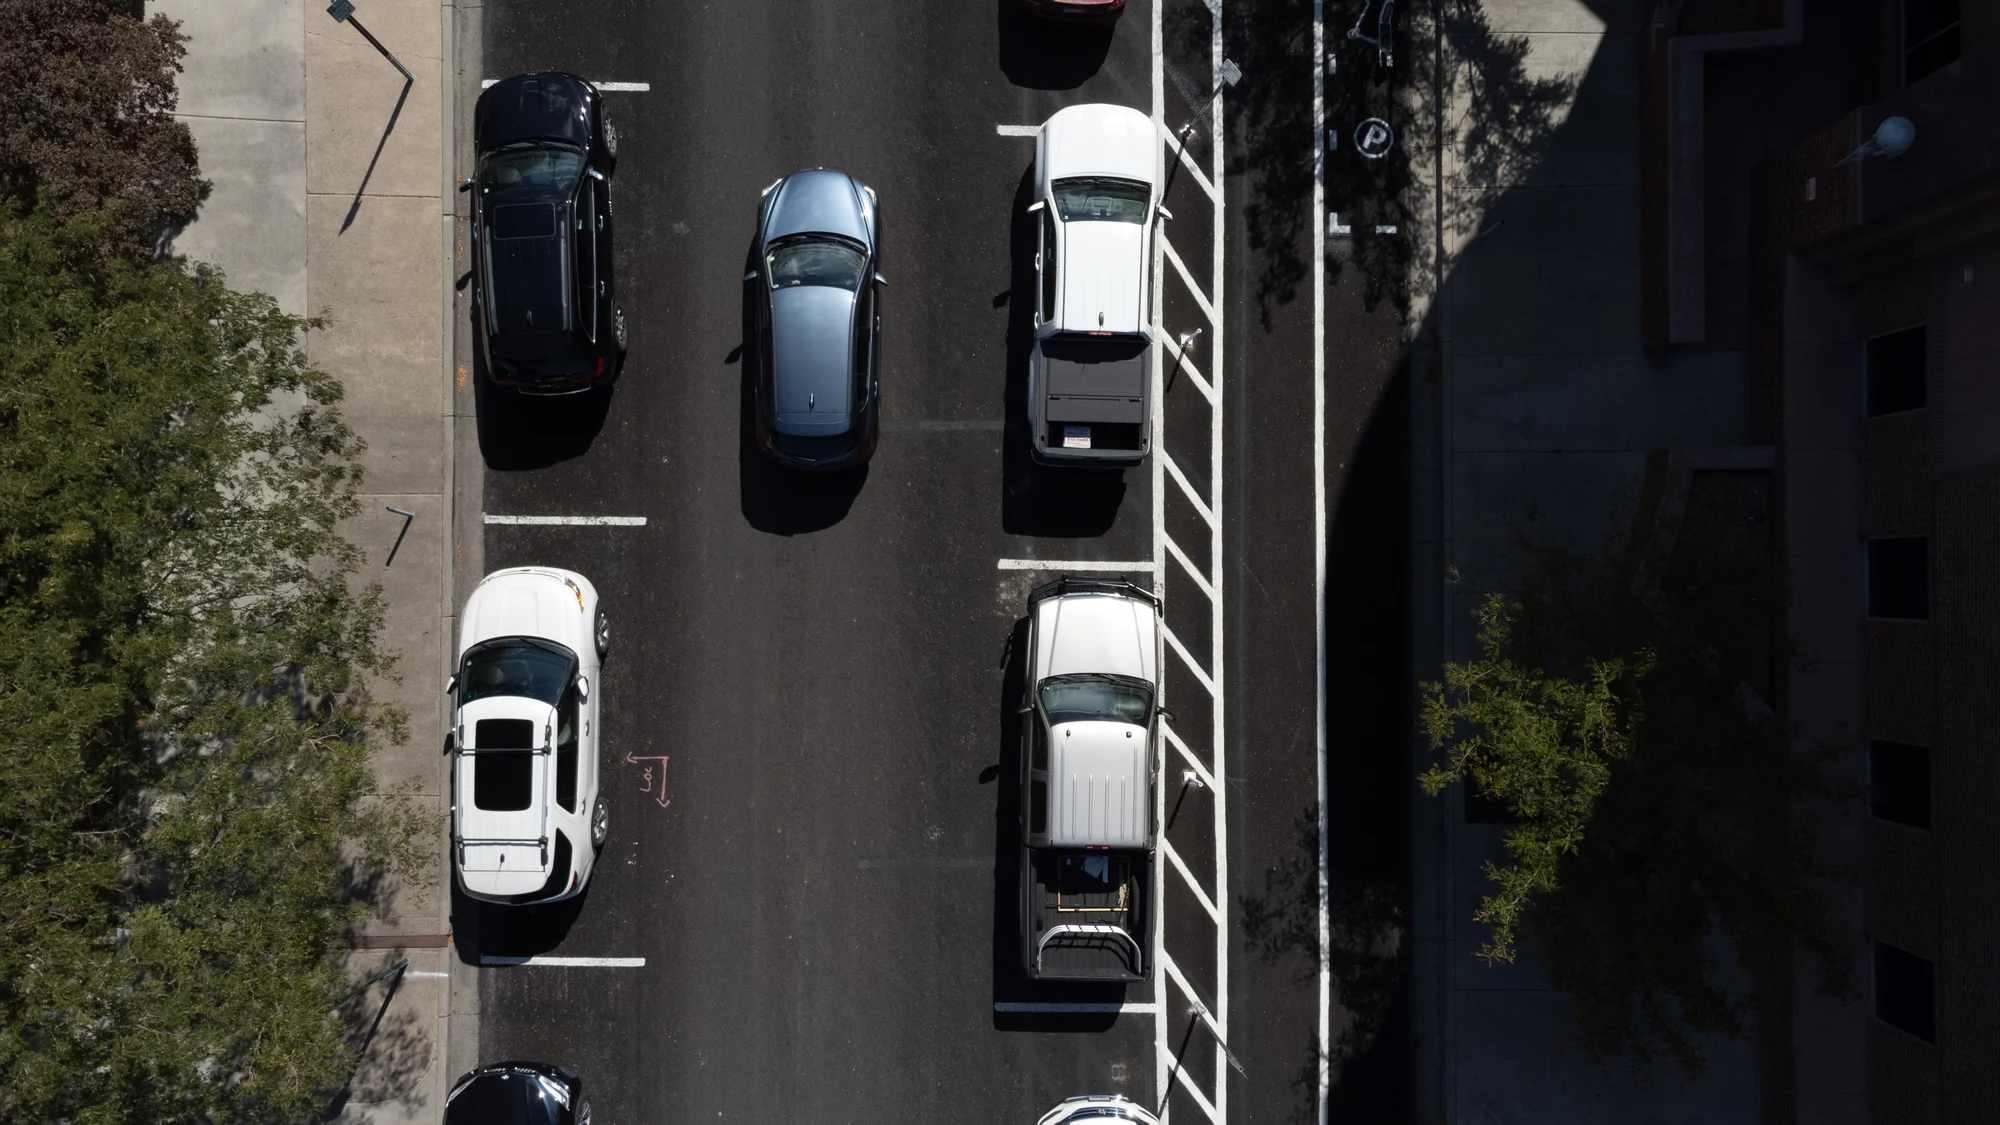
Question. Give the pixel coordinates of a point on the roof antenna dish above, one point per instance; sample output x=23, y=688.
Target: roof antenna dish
x=1893, y=137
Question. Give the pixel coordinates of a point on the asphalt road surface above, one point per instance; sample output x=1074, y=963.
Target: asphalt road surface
x=808, y=716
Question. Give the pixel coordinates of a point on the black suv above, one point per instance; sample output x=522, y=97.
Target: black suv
x=517, y=1093
x=541, y=234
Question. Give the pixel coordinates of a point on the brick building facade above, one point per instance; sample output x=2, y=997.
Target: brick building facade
x=1873, y=351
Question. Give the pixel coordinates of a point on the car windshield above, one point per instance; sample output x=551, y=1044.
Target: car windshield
x=1116, y=699
x=816, y=262
x=529, y=166
x=515, y=666
x=1117, y=201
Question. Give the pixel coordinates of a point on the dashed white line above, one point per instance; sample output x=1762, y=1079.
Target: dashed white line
x=1142, y=1009
x=607, y=87
x=1139, y=566
x=1017, y=130
x=565, y=962
x=566, y=521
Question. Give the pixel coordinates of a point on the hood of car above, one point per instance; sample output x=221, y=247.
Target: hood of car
x=502, y=792
x=1104, y=279
x=1098, y=771
x=533, y=107
x=1101, y=633
x=818, y=201
x=526, y=603
x=1100, y=140
x=812, y=346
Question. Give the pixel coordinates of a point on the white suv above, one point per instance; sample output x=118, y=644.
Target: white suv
x=1097, y=200
x=1098, y=1107
x=526, y=815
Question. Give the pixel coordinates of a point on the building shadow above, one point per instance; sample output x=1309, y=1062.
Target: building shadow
x=1010, y=979
x=1042, y=54
x=1038, y=499
x=519, y=433
x=776, y=499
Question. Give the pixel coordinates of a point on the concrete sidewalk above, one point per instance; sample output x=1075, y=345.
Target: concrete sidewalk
x=1539, y=410
x=330, y=192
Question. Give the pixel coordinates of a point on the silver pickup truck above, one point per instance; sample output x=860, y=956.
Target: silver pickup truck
x=1090, y=723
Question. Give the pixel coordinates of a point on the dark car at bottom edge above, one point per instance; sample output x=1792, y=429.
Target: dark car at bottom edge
x=517, y=1093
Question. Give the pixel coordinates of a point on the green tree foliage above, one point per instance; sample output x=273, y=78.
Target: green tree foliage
x=188, y=822
x=1655, y=855
x=87, y=98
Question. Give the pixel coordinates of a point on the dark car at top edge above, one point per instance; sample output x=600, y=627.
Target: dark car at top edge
x=1082, y=11
x=543, y=292
x=817, y=320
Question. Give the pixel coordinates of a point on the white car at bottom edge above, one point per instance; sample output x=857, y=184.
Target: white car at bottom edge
x=527, y=813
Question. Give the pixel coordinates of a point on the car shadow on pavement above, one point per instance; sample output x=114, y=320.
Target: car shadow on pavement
x=776, y=499
x=520, y=432
x=1038, y=499
x=1010, y=981
x=1044, y=54
x=482, y=931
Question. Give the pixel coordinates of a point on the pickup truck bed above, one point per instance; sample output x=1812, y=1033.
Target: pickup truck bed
x=1088, y=913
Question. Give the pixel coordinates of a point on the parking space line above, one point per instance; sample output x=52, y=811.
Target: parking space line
x=607, y=87
x=1174, y=471
x=1180, y=267
x=564, y=962
x=1187, y=162
x=565, y=521
x=1076, y=564
x=1194, y=998
x=1180, y=1075
x=1142, y=1008
x=1200, y=895
x=1174, y=549
x=1325, y=1027
x=1186, y=367
x=1200, y=770
x=1174, y=643
x=1017, y=130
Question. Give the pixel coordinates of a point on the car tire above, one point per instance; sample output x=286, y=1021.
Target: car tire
x=600, y=823
x=602, y=635
x=619, y=333
x=611, y=140
x=583, y=1113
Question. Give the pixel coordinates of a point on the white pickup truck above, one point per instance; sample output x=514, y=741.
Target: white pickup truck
x=1090, y=725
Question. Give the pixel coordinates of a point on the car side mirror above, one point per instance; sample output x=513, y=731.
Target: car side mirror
x=583, y=687
x=1165, y=214
x=465, y=183
x=1024, y=709
x=751, y=276
x=451, y=685
x=880, y=280
x=1037, y=205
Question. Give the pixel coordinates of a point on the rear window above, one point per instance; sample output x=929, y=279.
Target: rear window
x=524, y=220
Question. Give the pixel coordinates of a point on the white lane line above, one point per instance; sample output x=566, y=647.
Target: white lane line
x=1174, y=643
x=1018, y=130
x=1142, y=1009
x=1325, y=1051
x=1194, y=498
x=566, y=521
x=1187, y=278
x=567, y=962
x=1174, y=549
x=607, y=87
x=1200, y=770
x=1186, y=367
x=1200, y=895
x=1194, y=998
x=1162, y=1083
x=1180, y=1074
x=426, y=974
x=1187, y=162
x=1078, y=564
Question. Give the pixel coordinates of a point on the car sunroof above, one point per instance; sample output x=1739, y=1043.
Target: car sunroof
x=524, y=220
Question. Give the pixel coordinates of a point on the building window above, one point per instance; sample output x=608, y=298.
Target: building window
x=1899, y=783
x=1897, y=366
x=1930, y=36
x=1906, y=991
x=1899, y=578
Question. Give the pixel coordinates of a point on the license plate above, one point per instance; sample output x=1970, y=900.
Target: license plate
x=1076, y=437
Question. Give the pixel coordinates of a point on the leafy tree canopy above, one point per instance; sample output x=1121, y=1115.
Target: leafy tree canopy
x=1652, y=791
x=86, y=115
x=187, y=815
